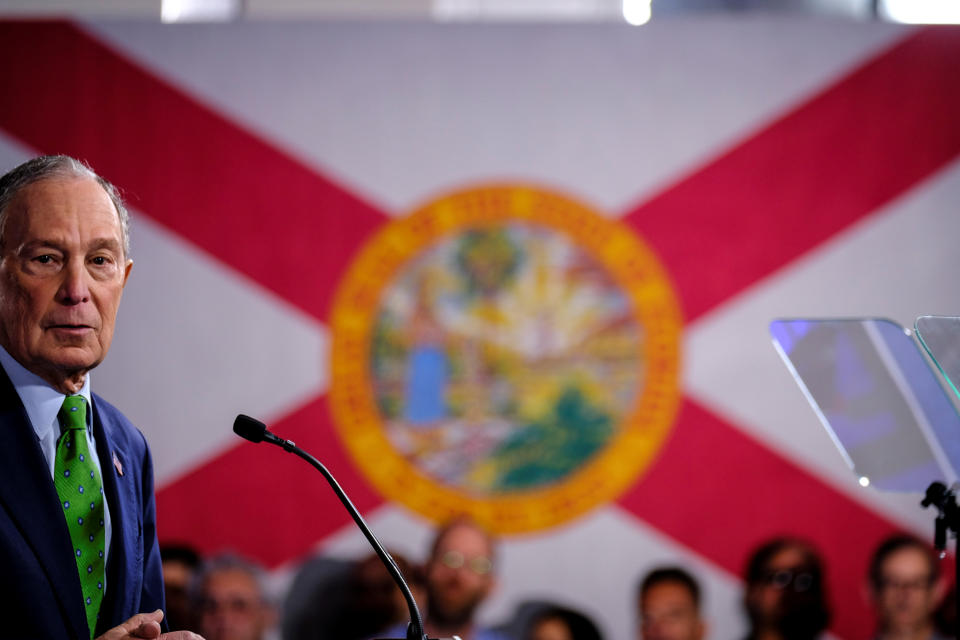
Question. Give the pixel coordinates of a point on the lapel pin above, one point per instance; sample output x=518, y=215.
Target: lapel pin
x=116, y=463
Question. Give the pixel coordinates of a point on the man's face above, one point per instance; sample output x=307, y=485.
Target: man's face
x=62, y=272
x=668, y=612
x=551, y=629
x=786, y=581
x=231, y=607
x=459, y=576
x=906, y=595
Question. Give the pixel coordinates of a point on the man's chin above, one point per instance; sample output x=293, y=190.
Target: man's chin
x=65, y=363
x=77, y=355
x=458, y=619
x=454, y=614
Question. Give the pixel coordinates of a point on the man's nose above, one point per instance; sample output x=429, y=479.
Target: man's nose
x=75, y=285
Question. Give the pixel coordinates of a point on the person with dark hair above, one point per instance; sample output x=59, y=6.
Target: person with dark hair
x=180, y=563
x=905, y=589
x=561, y=623
x=372, y=600
x=78, y=537
x=785, y=597
x=668, y=603
x=349, y=599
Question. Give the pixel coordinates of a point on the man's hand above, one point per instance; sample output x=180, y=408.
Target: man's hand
x=146, y=625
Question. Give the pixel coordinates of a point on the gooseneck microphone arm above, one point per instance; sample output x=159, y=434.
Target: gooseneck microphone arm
x=255, y=431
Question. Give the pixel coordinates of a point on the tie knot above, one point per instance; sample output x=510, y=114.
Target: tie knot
x=73, y=413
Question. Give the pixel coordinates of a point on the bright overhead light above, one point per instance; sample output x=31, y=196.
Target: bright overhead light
x=864, y=481
x=170, y=10
x=922, y=11
x=198, y=10
x=636, y=12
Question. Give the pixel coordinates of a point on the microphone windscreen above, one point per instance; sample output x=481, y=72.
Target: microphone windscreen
x=249, y=428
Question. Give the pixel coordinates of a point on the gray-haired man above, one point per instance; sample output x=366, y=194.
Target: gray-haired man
x=77, y=523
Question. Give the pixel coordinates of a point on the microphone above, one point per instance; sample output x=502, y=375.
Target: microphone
x=255, y=431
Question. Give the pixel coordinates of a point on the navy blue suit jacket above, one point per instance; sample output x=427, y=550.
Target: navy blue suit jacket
x=40, y=593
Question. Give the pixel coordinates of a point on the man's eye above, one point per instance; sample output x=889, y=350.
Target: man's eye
x=44, y=259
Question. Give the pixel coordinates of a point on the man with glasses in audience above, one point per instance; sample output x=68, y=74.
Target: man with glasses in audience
x=785, y=597
x=905, y=589
x=459, y=575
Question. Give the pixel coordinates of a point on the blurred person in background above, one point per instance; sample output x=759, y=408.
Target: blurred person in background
x=374, y=602
x=459, y=575
x=561, y=623
x=785, y=597
x=905, y=589
x=179, y=564
x=231, y=601
x=668, y=603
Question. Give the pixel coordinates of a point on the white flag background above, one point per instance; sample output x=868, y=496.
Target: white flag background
x=774, y=167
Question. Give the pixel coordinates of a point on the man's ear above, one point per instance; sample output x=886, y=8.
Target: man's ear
x=126, y=271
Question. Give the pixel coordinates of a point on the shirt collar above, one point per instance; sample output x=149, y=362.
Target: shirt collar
x=41, y=401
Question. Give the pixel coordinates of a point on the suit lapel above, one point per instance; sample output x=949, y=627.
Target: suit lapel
x=120, y=490
x=29, y=497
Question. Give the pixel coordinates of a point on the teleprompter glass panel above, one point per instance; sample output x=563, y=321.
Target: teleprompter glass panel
x=869, y=384
x=940, y=336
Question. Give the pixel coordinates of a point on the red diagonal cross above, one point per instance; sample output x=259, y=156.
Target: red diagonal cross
x=744, y=214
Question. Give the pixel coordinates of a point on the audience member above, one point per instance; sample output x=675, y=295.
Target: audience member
x=374, y=602
x=316, y=599
x=905, y=589
x=180, y=563
x=458, y=577
x=348, y=599
x=561, y=623
x=232, y=604
x=784, y=596
x=668, y=602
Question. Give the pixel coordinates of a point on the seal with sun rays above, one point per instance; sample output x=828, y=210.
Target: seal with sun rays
x=506, y=352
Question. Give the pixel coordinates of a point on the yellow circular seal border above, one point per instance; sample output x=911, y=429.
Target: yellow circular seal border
x=604, y=477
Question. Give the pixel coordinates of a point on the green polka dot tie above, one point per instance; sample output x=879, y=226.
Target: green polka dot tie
x=81, y=495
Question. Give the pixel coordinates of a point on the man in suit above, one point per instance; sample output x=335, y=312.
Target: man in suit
x=77, y=523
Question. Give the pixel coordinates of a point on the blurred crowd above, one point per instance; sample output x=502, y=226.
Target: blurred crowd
x=225, y=598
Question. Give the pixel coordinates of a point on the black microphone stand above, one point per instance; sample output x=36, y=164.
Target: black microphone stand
x=255, y=431
x=948, y=519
